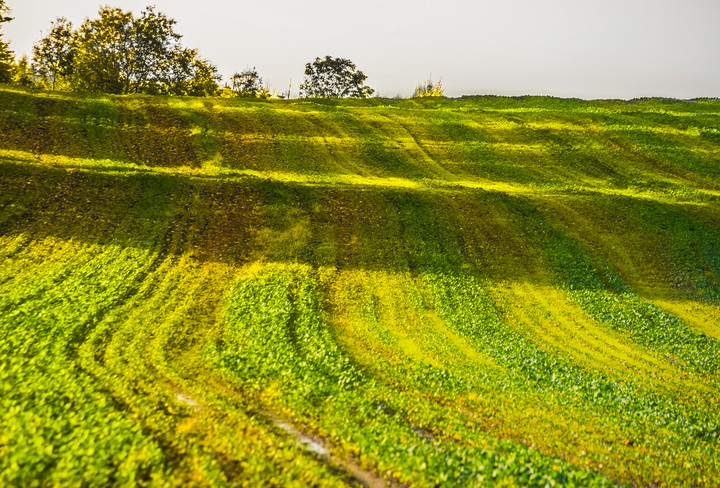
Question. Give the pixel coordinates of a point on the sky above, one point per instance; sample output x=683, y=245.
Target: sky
x=566, y=48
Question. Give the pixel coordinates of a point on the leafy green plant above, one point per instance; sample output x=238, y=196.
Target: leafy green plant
x=429, y=89
x=243, y=292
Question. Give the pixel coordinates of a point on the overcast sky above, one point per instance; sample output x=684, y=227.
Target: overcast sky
x=566, y=48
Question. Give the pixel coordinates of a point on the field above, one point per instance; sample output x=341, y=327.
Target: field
x=468, y=292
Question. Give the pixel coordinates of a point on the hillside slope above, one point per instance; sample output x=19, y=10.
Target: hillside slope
x=465, y=292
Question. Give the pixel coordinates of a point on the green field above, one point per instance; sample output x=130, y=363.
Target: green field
x=436, y=292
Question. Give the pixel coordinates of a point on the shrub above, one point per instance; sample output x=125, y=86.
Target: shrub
x=429, y=89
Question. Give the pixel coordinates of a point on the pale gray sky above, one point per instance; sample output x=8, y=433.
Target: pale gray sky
x=567, y=48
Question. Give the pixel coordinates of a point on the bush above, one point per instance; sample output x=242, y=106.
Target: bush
x=429, y=89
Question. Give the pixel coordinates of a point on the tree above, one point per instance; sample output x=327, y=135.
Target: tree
x=247, y=83
x=6, y=55
x=205, y=81
x=53, y=55
x=102, y=52
x=23, y=74
x=153, y=47
x=191, y=75
x=334, y=78
x=119, y=53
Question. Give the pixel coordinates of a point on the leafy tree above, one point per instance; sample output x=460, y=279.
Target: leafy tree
x=205, y=81
x=53, y=55
x=6, y=55
x=119, y=53
x=429, y=89
x=102, y=52
x=23, y=73
x=151, y=51
x=246, y=83
x=191, y=75
x=334, y=78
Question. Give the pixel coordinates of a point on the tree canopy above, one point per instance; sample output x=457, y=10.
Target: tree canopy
x=334, y=78
x=6, y=55
x=53, y=55
x=23, y=75
x=247, y=83
x=121, y=53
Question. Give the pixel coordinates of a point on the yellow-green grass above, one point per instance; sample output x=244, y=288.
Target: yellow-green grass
x=485, y=291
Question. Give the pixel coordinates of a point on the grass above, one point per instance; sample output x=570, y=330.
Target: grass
x=468, y=292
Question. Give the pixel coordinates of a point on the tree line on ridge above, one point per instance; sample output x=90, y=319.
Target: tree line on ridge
x=121, y=53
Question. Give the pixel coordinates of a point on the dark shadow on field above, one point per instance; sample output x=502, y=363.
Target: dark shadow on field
x=209, y=220
x=134, y=130
x=468, y=139
x=167, y=132
x=493, y=235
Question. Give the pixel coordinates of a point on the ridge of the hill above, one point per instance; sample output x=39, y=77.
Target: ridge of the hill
x=468, y=292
